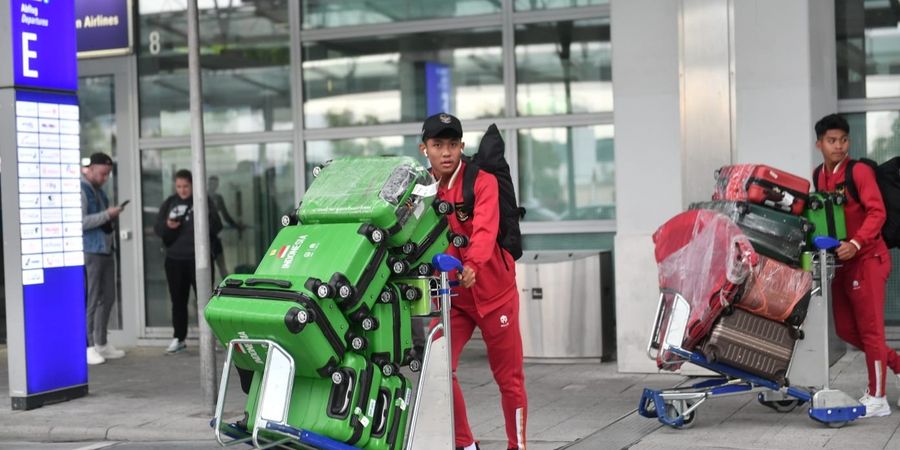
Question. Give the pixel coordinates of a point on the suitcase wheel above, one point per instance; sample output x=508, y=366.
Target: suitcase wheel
x=359, y=343
x=304, y=317
x=815, y=204
x=709, y=352
x=415, y=365
x=412, y=293
x=369, y=323
x=389, y=369
x=316, y=171
x=344, y=291
x=387, y=296
x=325, y=291
x=399, y=266
x=289, y=219
x=838, y=199
x=425, y=269
x=796, y=333
x=376, y=236
x=409, y=248
x=443, y=208
x=459, y=240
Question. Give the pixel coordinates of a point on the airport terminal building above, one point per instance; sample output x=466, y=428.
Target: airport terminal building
x=615, y=113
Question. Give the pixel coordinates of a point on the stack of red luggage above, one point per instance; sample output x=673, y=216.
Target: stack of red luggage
x=735, y=260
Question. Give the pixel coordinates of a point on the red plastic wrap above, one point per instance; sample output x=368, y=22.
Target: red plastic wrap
x=775, y=290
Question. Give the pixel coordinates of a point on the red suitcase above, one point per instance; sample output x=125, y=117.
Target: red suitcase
x=777, y=291
x=703, y=256
x=762, y=185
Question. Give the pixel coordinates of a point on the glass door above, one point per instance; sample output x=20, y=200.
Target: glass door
x=105, y=116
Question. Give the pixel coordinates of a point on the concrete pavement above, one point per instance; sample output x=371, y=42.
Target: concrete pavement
x=149, y=396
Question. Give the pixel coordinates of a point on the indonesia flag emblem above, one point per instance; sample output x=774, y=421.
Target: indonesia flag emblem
x=282, y=252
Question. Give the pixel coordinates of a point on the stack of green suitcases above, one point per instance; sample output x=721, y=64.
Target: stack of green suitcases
x=337, y=289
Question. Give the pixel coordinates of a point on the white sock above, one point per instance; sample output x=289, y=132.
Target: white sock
x=470, y=447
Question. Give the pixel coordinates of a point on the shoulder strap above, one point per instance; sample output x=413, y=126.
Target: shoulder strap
x=816, y=172
x=849, y=184
x=469, y=175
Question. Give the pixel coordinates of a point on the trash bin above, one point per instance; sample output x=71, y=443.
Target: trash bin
x=567, y=306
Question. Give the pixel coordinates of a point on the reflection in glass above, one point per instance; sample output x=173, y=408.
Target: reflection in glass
x=876, y=135
x=331, y=13
x=563, y=67
x=526, y=5
x=256, y=185
x=567, y=173
x=97, y=119
x=868, y=49
x=245, y=59
x=379, y=80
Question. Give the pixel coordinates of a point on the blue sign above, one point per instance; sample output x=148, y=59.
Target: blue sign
x=103, y=27
x=47, y=150
x=43, y=38
x=437, y=88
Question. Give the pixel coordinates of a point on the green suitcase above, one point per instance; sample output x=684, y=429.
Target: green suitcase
x=426, y=304
x=314, y=332
x=429, y=238
x=388, y=332
x=389, y=193
x=825, y=210
x=334, y=260
x=341, y=408
x=391, y=414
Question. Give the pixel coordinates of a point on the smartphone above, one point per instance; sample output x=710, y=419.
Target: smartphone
x=122, y=205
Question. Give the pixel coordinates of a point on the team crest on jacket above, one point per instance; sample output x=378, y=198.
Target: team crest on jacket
x=461, y=215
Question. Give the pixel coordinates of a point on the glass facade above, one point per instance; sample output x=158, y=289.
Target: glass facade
x=368, y=74
x=245, y=60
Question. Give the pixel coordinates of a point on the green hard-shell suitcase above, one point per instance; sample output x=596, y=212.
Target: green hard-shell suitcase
x=341, y=408
x=429, y=238
x=388, y=332
x=825, y=211
x=390, y=193
x=426, y=304
x=776, y=234
x=314, y=332
x=334, y=260
x=391, y=414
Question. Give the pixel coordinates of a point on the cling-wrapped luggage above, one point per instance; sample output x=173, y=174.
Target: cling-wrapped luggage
x=762, y=185
x=777, y=292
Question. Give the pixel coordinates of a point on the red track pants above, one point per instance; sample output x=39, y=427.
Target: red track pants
x=503, y=339
x=858, y=307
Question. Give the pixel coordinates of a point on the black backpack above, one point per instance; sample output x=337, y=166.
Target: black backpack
x=491, y=160
x=887, y=176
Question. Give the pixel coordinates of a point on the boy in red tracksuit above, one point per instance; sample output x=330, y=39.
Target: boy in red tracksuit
x=859, y=282
x=489, y=298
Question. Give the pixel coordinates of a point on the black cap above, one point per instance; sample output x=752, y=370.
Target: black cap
x=441, y=124
x=101, y=158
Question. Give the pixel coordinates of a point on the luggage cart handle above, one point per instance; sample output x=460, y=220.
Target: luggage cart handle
x=653, y=345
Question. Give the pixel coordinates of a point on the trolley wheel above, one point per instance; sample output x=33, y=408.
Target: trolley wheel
x=782, y=406
x=444, y=208
x=415, y=365
x=399, y=266
x=425, y=269
x=409, y=248
x=389, y=369
x=369, y=323
x=316, y=171
x=387, y=296
x=672, y=413
x=838, y=424
x=358, y=343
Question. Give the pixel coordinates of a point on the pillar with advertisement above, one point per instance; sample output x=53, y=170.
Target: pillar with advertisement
x=40, y=179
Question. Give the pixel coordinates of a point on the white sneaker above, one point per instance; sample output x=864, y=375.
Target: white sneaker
x=875, y=406
x=176, y=346
x=109, y=352
x=93, y=357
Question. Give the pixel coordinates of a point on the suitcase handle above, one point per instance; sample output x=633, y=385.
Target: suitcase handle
x=257, y=281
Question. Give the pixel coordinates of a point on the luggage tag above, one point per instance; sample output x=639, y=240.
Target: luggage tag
x=362, y=419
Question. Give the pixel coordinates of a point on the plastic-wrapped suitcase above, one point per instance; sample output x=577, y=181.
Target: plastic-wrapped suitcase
x=751, y=343
x=390, y=193
x=342, y=407
x=391, y=414
x=777, y=291
x=703, y=256
x=314, y=332
x=826, y=212
x=388, y=332
x=334, y=260
x=773, y=233
x=429, y=238
x=762, y=185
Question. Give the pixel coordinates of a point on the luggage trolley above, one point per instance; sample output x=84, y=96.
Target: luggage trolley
x=276, y=386
x=677, y=407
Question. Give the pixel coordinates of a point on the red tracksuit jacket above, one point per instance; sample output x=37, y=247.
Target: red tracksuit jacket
x=865, y=217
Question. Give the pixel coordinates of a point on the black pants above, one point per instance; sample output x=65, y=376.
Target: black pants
x=181, y=277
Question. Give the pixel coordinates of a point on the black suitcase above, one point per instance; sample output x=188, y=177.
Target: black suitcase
x=751, y=343
x=778, y=235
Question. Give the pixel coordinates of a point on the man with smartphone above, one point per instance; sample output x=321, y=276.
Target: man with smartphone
x=99, y=260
